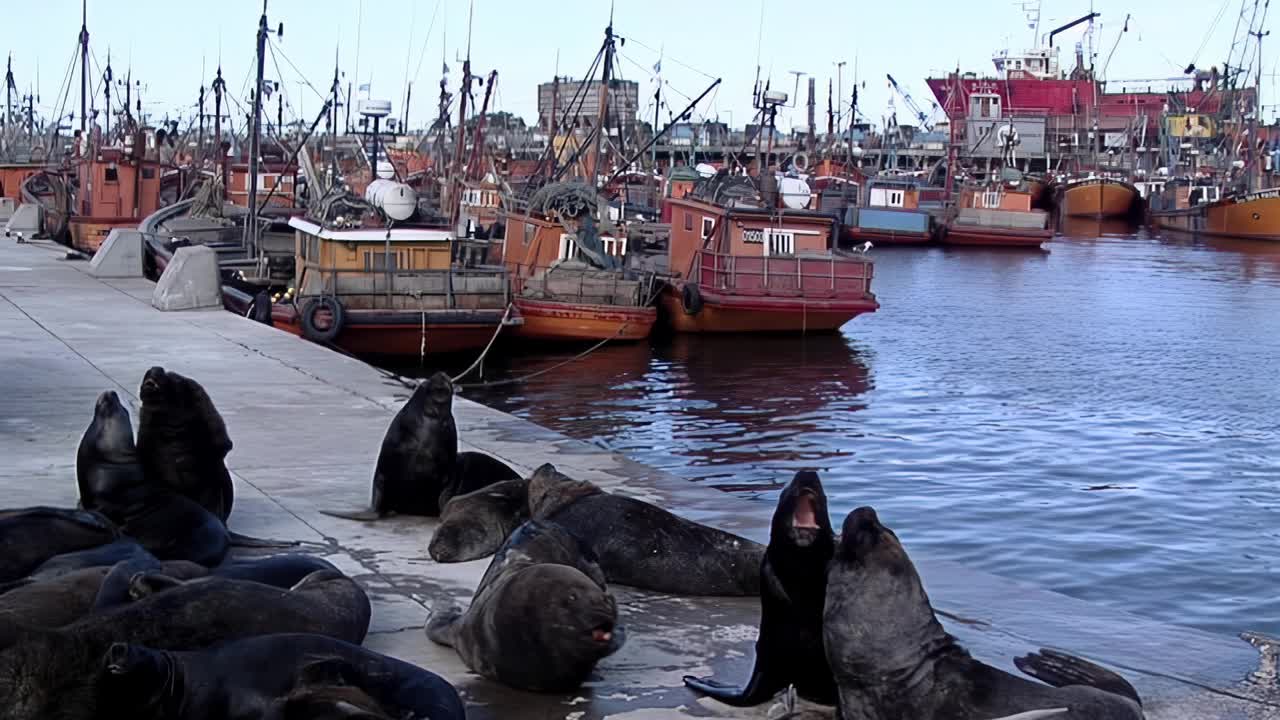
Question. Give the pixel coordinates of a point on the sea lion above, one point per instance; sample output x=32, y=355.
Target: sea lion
x=793, y=590
x=56, y=673
x=280, y=677
x=417, y=458
x=892, y=659
x=473, y=471
x=111, y=481
x=475, y=525
x=183, y=441
x=30, y=536
x=102, y=555
x=537, y=622
x=643, y=545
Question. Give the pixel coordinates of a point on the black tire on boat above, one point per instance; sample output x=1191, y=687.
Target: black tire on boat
x=309, y=312
x=691, y=299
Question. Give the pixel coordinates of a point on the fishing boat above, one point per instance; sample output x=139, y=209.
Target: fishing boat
x=1200, y=207
x=891, y=215
x=744, y=262
x=996, y=215
x=570, y=277
x=375, y=290
x=1098, y=197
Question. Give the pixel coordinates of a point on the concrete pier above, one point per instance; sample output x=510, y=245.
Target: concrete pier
x=307, y=423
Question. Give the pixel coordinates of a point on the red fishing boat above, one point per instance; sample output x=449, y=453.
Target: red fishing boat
x=742, y=263
x=996, y=215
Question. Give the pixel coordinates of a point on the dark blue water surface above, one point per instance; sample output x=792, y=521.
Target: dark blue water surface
x=1100, y=419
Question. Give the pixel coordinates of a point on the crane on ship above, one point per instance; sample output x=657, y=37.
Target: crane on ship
x=926, y=120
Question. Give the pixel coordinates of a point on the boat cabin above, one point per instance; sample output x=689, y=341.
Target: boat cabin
x=893, y=193
x=276, y=183
x=119, y=185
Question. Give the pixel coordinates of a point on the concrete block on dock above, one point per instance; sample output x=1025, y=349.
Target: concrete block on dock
x=7, y=208
x=25, y=220
x=190, y=281
x=119, y=256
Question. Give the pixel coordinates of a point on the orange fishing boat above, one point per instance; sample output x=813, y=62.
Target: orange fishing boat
x=1098, y=197
x=997, y=216
x=1200, y=208
x=761, y=268
x=564, y=293
x=118, y=186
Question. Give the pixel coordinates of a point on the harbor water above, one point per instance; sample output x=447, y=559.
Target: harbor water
x=1100, y=419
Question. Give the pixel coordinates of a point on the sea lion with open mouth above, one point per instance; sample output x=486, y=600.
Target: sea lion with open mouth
x=183, y=441
x=275, y=677
x=793, y=589
x=541, y=617
x=111, y=481
x=57, y=673
x=892, y=658
x=643, y=545
x=475, y=525
x=417, y=457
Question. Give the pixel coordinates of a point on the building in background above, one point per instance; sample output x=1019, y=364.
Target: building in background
x=624, y=102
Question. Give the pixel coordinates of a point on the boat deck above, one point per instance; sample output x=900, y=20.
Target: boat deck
x=307, y=423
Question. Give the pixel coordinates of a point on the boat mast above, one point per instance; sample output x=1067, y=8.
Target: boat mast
x=84, y=65
x=251, y=225
x=603, y=115
x=8, y=95
x=221, y=156
x=1255, y=157
x=106, y=89
x=455, y=190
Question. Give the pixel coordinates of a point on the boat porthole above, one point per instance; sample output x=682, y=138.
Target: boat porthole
x=1256, y=216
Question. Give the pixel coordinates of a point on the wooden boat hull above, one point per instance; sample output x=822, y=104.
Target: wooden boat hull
x=977, y=235
x=1099, y=199
x=1252, y=217
x=761, y=314
x=397, y=334
x=857, y=236
x=569, y=322
x=88, y=233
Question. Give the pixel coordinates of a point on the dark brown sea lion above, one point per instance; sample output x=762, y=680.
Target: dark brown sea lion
x=475, y=525
x=473, y=471
x=892, y=659
x=30, y=536
x=57, y=673
x=418, y=455
x=183, y=441
x=793, y=590
x=537, y=622
x=643, y=545
x=275, y=677
x=111, y=481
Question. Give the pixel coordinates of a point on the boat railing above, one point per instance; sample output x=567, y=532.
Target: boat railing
x=582, y=284
x=799, y=275
x=451, y=288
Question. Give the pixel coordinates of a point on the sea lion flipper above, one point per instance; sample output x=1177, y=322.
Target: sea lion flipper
x=367, y=515
x=239, y=540
x=442, y=625
x=1060, y=670
x=759, y=689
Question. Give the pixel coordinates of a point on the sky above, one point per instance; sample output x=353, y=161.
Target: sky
x=173, y=45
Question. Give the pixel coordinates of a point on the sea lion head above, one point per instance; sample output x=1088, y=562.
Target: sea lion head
x=550, y=490
x=156, y=385
x=475, y=525
x=878, y=625
x=110, y=436
x=577, y=619
x=801, y=517
x=435, y=396
x=138, y=676
x=182, y=404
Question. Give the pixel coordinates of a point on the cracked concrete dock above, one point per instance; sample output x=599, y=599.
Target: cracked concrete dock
x=307, y=422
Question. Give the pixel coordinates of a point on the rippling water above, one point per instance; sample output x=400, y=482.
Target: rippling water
x=1100, y=419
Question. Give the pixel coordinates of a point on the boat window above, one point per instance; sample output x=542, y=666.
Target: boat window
x=688, y=221
x=780, y=243
x=615, y=246
x=528, y=233
x=148, y=173
x=568, y=246
x=379, y=261
x=991, y=200
x=112, y=175
x=708, y=224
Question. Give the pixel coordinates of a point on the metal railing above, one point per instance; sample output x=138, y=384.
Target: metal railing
x=807, y=276
x=330, y=285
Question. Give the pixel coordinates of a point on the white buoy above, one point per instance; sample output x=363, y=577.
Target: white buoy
x=397, y=200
